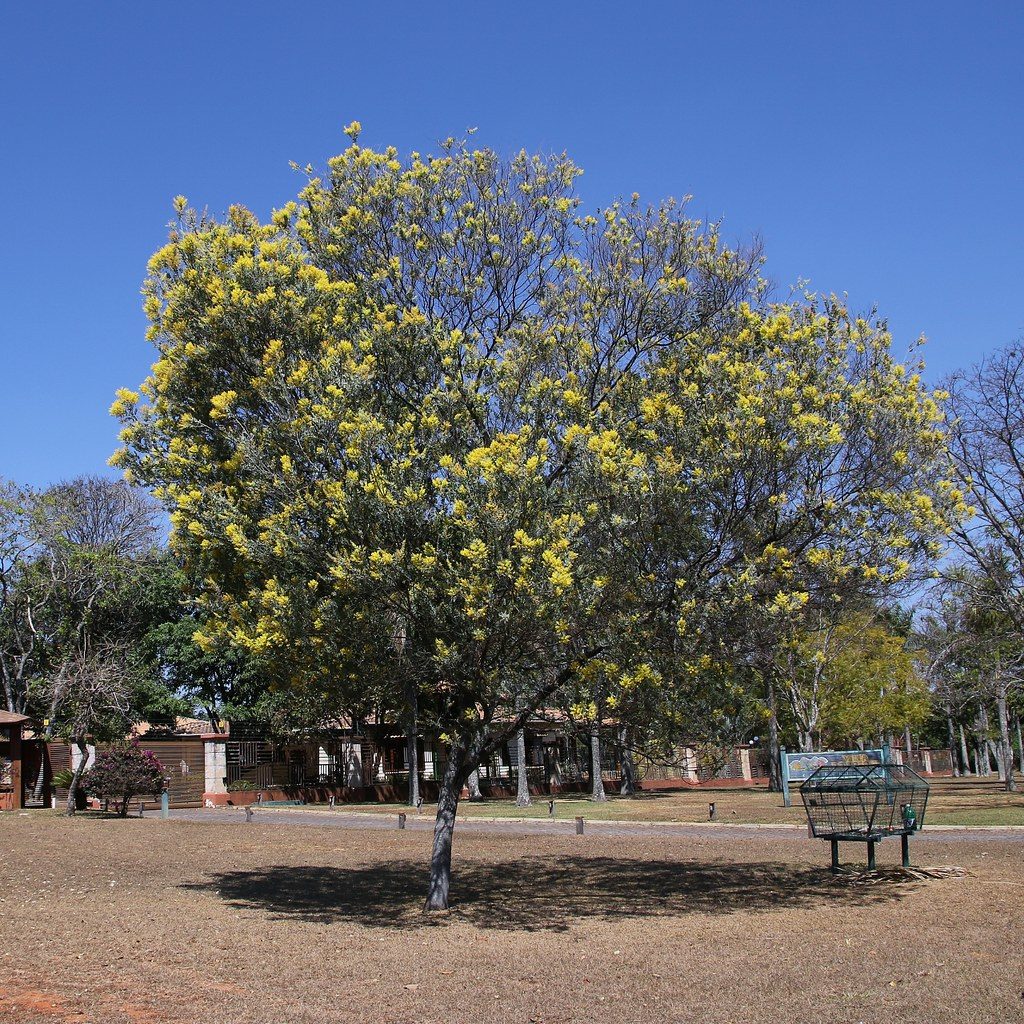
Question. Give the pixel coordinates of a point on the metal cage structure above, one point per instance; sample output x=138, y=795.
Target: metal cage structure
x=864, y=803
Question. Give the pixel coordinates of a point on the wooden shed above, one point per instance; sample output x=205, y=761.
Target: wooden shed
x=12, y=792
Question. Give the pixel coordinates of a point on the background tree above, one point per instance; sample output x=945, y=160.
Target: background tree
x=430, y=393
x=30, y=577
x=987, y=447
x=977, y=671
x=986, y=406
x=89, y=698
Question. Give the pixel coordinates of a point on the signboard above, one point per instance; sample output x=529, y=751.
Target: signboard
x=798, y=767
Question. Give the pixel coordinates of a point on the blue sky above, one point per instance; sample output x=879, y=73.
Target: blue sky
x=876, y=147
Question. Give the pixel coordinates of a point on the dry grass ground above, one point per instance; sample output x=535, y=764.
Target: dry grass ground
x=179, y=922
x=951, y=802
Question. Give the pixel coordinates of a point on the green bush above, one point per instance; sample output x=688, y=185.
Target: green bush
x=123, y=771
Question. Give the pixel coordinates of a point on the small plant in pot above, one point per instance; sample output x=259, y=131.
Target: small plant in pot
x=62, y=783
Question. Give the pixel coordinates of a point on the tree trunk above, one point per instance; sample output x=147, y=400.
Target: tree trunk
x=412, y=749
x=774, y=750
x=376, y=761
x=413, y=757
x=474, y=786
x=965, y=757
x=983, y=745
x=628, y=785
x=455, y=774
x=908, y=747
x=596, y=781
x=523, y=780
x=951, y=743
x=83, y=749
x=576, y=762
x=1005, y=747
x=554, y=775
x=1020, y=746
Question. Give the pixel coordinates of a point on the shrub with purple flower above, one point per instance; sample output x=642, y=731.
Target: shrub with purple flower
x=123, y=771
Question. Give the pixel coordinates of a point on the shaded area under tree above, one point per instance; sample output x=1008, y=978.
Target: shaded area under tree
x=540, y=894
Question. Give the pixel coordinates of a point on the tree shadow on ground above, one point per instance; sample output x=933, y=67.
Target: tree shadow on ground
x=541, y=894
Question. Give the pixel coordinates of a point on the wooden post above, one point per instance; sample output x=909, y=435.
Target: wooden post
x=579, y=826
x=401, y=819
x=905, y=849
x=871, y=855
x=18, y=794
x=835, y=856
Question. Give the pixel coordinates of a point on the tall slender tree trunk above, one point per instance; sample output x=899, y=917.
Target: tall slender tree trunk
x=1020, y=746
x=951, y=743
x=455, y=774
x=412, y=748
x=412, y=755
x=522, y=778
x=83, y=749
x=996, y=753
x=473, y=784
x=908, y=746
x=596, y=780
x=554, y=774
x=577, y=768
x=628, y=786
x=1005, y=746
x=984, y=724
x=965, y=757
x=774, y=750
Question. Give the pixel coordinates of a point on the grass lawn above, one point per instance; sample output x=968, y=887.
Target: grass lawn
x=114, y=921
x=950, y=802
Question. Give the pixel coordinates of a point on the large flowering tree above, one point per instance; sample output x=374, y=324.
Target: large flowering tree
x=433, y=436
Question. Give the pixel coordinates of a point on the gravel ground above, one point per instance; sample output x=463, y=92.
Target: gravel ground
x=189, y=921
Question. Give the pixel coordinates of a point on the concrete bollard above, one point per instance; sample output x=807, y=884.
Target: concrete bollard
x=579, y=826
x=165, y=804
x=142, y=809
x=401, y=819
